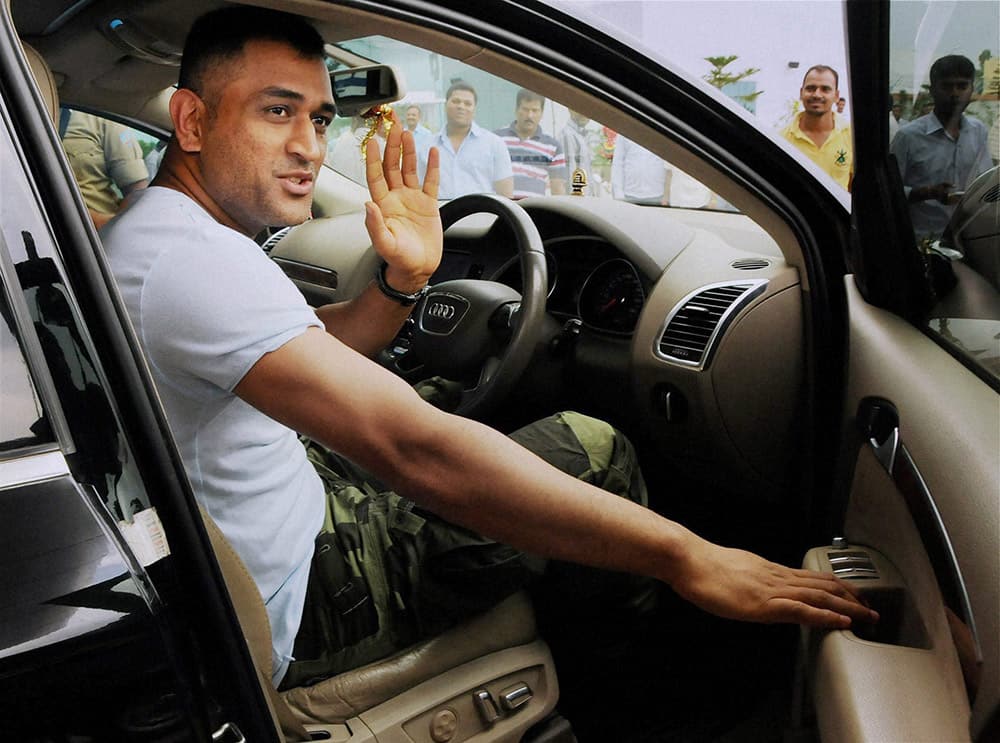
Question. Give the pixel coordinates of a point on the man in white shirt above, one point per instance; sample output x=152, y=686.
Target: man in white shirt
x=242, y=371
x=639, y=176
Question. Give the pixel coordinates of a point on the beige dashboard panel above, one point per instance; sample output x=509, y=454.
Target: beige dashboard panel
x=713, y=438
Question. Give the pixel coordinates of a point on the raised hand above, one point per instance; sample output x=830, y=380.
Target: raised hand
x=402, y=218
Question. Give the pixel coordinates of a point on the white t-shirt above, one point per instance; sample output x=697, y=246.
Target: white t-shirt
x=207, y=304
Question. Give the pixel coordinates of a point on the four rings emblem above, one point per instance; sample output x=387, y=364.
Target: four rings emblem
x=441, y=311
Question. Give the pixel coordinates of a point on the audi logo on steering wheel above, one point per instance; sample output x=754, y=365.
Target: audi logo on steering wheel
x=441, y=311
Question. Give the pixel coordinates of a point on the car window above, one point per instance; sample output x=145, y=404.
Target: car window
x=497, y=137
x=944, y=88
x=23, y=423
x=759, y=55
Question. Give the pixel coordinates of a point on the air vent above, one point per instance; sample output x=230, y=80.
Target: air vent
x=695, y=325
x=750, y=264
x=992, y=196
x=274, y=239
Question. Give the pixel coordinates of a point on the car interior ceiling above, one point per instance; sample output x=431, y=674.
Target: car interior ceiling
x=676, y=658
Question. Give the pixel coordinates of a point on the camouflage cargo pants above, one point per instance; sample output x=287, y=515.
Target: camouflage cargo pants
x=386, y=574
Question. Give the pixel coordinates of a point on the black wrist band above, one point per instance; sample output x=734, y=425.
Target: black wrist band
x=407, y=300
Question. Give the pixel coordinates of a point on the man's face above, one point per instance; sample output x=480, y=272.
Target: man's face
x=460, y=108
x=264, y=135
x=819, y=92
x=526, y=118
x=412, y=117
x=951, y=95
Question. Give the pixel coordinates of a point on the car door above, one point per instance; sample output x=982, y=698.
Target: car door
x=918, y=510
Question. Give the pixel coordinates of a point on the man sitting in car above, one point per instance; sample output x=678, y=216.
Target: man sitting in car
x=349, y=567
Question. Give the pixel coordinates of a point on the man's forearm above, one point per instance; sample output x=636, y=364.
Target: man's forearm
x=367, y=323
x=515, y=497
x=466, y=472
x=521, y=500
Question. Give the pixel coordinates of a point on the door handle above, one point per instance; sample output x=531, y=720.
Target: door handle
x=879, y=422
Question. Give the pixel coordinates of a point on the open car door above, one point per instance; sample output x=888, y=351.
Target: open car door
x=921, y=454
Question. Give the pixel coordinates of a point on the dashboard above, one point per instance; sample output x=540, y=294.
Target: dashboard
x=626, y=279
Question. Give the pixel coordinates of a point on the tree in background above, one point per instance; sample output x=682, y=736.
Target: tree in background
x=722, y=78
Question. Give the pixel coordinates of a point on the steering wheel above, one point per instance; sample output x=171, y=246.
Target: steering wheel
x=484, y=332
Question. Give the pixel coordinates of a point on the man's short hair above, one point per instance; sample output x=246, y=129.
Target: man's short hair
x=220, y=35
x=822, y=68
x=527, y=95
x=412, y=105
x=952, y=65
x=461, y=85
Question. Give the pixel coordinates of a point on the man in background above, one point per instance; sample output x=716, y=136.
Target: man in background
x=537, y=158
x=346, y=154
x=107, y=162
x=473, y=159
x=639, y=176
x=939, y=154
x=578, y=146
x=412, y=117
x=816, y=131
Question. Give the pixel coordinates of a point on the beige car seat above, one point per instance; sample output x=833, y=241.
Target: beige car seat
x=44, y=79
x=490, y=678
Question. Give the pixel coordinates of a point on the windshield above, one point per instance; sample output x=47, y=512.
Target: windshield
x=496, y=137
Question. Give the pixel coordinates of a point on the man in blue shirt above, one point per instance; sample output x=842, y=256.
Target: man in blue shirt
x=537, y=157
x=941, y=153
x=473, y=160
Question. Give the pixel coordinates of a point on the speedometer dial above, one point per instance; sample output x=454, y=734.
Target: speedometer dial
x=612, y=297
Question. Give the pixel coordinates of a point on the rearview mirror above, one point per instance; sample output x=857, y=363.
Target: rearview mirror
x=357, y=89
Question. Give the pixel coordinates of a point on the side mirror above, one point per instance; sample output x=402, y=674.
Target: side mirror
x=357, y=89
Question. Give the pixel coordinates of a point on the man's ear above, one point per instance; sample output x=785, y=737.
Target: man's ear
x=188, y=112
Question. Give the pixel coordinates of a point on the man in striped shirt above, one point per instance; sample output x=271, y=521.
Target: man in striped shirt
x=537, y=158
